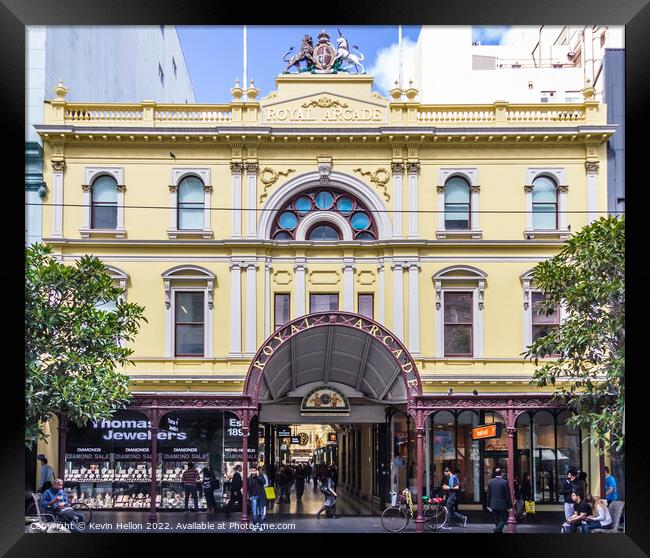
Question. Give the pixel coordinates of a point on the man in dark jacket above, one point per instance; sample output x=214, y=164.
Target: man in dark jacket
x=499, y=500
x=570, y=484
x=235, y=491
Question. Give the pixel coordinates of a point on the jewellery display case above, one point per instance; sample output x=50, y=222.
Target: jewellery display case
x=171, y=485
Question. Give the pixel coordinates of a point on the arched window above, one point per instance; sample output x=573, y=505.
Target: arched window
x=335, y=206
x=190, y=203
x=104, y=203
x=323, y=232
x=457, y=204
x=545, y=203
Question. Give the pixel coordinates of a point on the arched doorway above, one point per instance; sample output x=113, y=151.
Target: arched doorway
x=358, y=359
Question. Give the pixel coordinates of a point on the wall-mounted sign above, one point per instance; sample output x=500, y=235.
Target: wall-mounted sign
x=295, y=440
x=486, y=431
x=332, y=437
x=325, y=401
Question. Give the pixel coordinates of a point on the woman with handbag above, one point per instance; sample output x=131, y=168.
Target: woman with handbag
x=327, y=488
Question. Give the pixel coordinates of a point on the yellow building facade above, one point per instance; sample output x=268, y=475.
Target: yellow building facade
x=425, y=218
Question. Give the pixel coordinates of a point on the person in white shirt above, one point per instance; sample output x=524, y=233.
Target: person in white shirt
x=600, y=518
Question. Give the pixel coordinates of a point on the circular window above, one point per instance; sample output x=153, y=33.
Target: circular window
x=323, y=232
x=365, y=236
x=282, y=235
x=360, y=221
x=302, y=204
x=345, y=205
x=324, y=200
x=288, y=221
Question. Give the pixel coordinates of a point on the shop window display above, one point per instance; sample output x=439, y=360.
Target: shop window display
x=468, y=457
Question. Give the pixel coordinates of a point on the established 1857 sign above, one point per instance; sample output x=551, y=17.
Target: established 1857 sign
x=325, y=401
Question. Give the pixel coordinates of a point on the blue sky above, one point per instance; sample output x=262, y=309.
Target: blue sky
x=214, y=54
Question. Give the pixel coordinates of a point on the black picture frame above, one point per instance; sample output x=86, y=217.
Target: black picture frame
x=634, y=14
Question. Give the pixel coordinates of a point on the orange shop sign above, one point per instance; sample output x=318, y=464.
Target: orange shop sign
x=486, y=431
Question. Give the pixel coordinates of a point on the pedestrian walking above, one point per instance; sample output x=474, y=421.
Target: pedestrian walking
x=236, y=484
x=209, y=485
x=190, y=480
x=568, y=486
x=316, y=473
x=327, y=488
x=611, y=493
x=300, y=481
x=526, y=492
x=257, y=497
x=47, y=474
x=308, y=472
x=499, y=500
x=452, y=490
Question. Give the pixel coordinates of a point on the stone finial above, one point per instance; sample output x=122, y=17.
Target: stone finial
x=411, y=92
x=237, y=91
x=588, y=92
x=252, y=91
x=396, y=92
x=60, y=91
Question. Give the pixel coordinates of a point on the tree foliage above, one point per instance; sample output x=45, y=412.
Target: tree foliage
x=73, y=348
x=587, y=278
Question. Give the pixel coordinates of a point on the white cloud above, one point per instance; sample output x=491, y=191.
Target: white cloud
x=385, y=69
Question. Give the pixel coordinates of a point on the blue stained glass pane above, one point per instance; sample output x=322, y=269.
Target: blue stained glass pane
x=324, y=200
x=282, y=235
x=303, y=204
x=323, y=232
x=344, y=205
x=365, y=236
x=360, y=221
x=288, y=220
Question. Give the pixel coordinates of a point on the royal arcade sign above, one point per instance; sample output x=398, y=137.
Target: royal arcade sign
x=382, y=335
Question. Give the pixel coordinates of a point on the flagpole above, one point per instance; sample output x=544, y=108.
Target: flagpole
x=245, y=85
x=400, y=55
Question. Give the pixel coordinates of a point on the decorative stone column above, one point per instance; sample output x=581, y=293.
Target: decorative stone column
x=237, y=169
x=381, y=293
x=441, y=206
x=474, y=190
x=413, y=171
x=58, y=169
x=414, y=308
x=398, y=300
x=252, y=169
x=528, y=198
x=398, y=174
x=250, y=343
x=267, y=299
x=235, y=309
x=592, y=168
x=207, y=210
x=300, y=270
x=348, y=285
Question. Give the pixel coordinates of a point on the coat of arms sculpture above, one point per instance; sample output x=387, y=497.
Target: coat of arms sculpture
x=324, y=58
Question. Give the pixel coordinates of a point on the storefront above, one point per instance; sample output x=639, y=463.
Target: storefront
x=108, y=464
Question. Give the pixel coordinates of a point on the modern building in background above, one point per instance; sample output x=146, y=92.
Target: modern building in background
x=547, y=64
x=327, y=256
x=101, y=65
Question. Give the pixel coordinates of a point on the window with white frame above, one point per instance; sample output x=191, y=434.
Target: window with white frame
x=190, y=200
x=546, y=203
x=281, y=309
x=189, y=312
x=537, y=322
x=103, y=202
x=458, y=198
x=459, y=311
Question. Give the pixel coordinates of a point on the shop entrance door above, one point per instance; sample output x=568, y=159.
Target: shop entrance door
x=490, y=462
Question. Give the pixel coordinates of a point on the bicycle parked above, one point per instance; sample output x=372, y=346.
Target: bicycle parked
x=396, y=517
